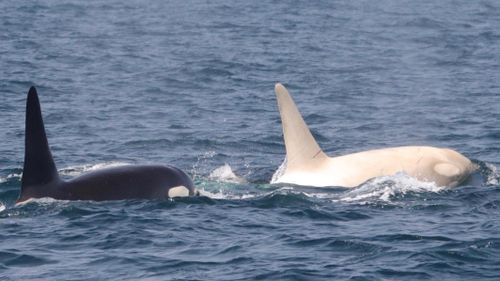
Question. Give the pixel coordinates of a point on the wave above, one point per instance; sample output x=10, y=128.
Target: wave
x=41, y=201
x=389, y=187
x=384, y=189
x=225, y=195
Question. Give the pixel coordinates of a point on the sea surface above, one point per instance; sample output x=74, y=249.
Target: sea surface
x=190, y=83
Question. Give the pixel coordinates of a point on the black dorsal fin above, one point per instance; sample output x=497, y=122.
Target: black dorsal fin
x=39, y=167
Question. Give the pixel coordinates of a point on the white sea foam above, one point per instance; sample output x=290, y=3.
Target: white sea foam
x=2, y=207
x=42, y=201
x=385, y=188
x=11, y=176
x=225, y=174
x=493, y=175
x=222, y=194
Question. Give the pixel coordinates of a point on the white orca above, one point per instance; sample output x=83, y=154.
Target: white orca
x=306, y=164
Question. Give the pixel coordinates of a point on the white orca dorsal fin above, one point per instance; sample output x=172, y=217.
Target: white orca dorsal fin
x=301, y=147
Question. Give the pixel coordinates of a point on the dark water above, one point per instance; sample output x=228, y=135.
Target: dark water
x=190, y=83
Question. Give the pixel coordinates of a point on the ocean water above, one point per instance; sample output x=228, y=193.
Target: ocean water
x=190, y=83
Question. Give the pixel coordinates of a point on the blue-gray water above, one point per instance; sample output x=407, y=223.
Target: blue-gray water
x=190, y=83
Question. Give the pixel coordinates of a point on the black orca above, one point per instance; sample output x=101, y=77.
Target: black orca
x=41, y=179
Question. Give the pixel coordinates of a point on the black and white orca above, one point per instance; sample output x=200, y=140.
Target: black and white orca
x=41, y=179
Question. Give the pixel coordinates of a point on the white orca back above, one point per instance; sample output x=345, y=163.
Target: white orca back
x=307, y=164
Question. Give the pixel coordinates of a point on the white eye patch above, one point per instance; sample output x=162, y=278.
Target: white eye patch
x=178, y=191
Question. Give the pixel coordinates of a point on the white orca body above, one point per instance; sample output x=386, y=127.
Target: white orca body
x=306, y=164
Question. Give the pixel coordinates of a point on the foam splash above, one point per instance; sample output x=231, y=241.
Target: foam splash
x=80, y=169
x=387, y=187
x=225, y=195
x=11, y=176
x=201, y=161
x=2, y=207
x=222, y=183
x=41, y=201
x=225, y=174
x=231, y=195
x=492, y=175
x=279, y=172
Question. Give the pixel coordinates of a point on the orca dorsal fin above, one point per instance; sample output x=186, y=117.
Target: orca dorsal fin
x=301, y=147
x=39, y=167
